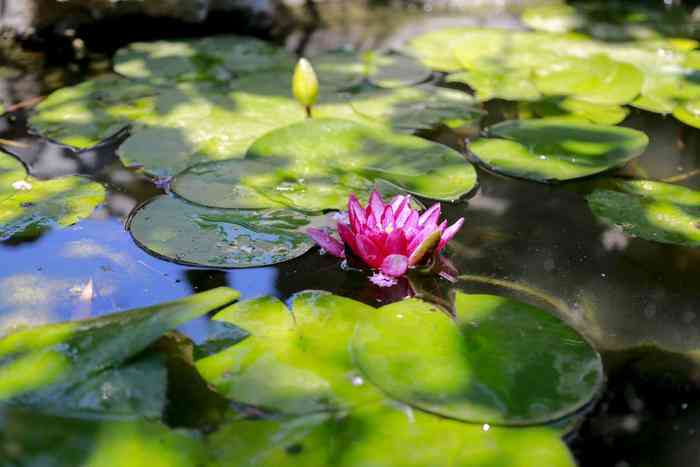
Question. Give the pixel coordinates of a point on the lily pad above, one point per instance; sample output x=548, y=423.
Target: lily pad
x=597, y=79
x=295, y=361
x=553, y=149
x=29, y=206
x=37, y=440
x=556, y=18
x=689, y=113
x=175, y=127
x=316, y=164
x=67, y=366
x=513, y=85
x=498, y=362
x=225, y=238
x=217, y=58
x=654, y=211
x=383, y=437
x=341, y=69
x=586, y=111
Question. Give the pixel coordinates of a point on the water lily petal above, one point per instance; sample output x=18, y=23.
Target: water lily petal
x=449, y=233
x=356, y=214
x=328, y=243
x=396, y=243
x=375, y=206
x=388, y=218
x=347, y=235
x=368, y=251
x=411, y=225
x=397, y=202
x=395, y=265
x=430, y=216
x=402, y=211
x=442, y=226
x=425, y=248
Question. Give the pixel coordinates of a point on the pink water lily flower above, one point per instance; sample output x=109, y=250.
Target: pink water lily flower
x=390, y=237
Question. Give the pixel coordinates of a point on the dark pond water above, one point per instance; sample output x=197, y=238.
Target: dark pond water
x=637, y=301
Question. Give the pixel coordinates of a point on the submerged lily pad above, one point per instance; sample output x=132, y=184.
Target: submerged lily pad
x=316, y=164
x=295, y=361
x=28, y=206
x=654, y=211
x=65, y=368
x=585, y=111
x=383, y=436
x=341, y=69
x=217, y=58
x=225, y=238
x=499, y=361
x=553, y=149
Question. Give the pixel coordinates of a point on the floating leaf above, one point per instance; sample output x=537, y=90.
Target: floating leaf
x=689, y=113
x=384, y=437
x=295, y=362
x=655, y=211
x=224, y=238
x=175, y=127
x=35, y=440
x=12, y=173
x=586, y=111
x=28, y=206
x=217, y=58
x=514, y=85
x=316, y=164
x=553, y=149
x=597, y=79
x=499, y=361
x=557, y=17
x=341, y=69
x=51, y=367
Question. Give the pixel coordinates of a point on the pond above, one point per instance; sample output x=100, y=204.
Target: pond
x=560, y=326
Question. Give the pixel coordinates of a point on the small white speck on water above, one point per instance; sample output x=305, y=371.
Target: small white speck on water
x=357, y=380
x=400, y=316
x=486, y=427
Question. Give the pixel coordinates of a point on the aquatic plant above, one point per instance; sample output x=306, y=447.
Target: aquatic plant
x=391, y=237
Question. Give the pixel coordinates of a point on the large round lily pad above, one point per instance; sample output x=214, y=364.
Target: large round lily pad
x=341, y=69
x=295, y=361
x=217, y=58
x=597, y=79
x=29, y=206
x=655, y=211
x=383, y=436
x=499, y=361
x=316, y=164
x=176, y=126
x=554, y=149
x=223, y=238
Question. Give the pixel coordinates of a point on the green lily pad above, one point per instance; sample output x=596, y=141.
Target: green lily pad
x=654, y=211
x=317, y=164
x=492, y=83
x=73, y=368
x=597, y=79
x=499, y=361
x=225, y=238
x=28, y=206
x=217, y=58
x=382, y=437
x=586, y=111
x=341, y=69
x=689, y=113
x=11, y=171
x=175, y=127
x=295, y=361
x=556, y=18
x=434, y=48
x=37, y=440
x=553, y=149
